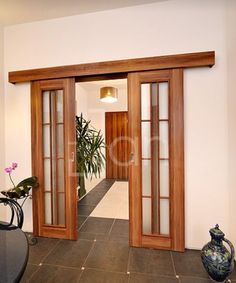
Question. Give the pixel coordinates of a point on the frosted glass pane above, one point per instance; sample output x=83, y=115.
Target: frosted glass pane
x=146, y=150
x=163, y=100
x=60, y=106
x=46, y=113
x=46, y=141
x=60, y=175
x=164, y=139
x=164, y=178
x=47, y=175
x=164, y=217
x=145, y=101
x=147, y=214
x=60, y=140
x=47, y=207
x=146, y=177
x=61, y=209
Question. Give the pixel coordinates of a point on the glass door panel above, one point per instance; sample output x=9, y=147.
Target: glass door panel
x=53, y=144
x=155, y=151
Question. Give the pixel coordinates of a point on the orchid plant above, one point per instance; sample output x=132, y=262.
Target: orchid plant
x=22, y=189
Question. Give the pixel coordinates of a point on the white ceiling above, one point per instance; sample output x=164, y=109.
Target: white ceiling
x=22, y=11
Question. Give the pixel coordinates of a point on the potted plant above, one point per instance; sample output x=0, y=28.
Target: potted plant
x=89, y=156
x=21, y=190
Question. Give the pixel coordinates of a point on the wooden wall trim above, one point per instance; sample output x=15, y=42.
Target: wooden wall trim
x=188, y=60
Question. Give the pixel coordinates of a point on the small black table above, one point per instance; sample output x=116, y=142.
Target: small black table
x=14, y=251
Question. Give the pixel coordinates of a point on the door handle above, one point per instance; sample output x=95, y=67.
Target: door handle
x=72, y=157
x=131, y=160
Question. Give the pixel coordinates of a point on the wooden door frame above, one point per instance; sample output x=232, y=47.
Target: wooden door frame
x=113, y=69
x=39, y=228
x=176, y=240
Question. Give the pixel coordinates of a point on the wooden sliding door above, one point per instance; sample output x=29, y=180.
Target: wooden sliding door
x=116, y=124
x=53, y=153
x=156, y=171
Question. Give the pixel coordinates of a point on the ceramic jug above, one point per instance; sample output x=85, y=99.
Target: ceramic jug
x=217, y=260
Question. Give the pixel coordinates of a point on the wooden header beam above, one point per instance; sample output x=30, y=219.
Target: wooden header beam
x=189, y=60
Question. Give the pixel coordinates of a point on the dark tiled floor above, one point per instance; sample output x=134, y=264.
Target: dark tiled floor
x=102, y=255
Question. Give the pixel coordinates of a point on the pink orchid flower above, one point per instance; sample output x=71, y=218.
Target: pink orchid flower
x=8, y=170
x=14, y=165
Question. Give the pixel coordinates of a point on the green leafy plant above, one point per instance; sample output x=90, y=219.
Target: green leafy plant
x=22, y=189
x=89, y=156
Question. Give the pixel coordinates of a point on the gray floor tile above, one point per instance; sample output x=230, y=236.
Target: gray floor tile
x=85, y=210
x=146, y=278
x=55, y=274
x=92, y=198
x=110, y=256
x=189, y=264
x=39, y=251
x=98, y=276
x=81, y=220
x=70, y=253
x=30, y=269
x=185, y=279
x=104, y=185
x=233, y=275
x=86, y=236
x=120, y=230
x=151, y=261
x=97, y=225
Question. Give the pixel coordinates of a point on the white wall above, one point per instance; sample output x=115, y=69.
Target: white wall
x=231, y=59
x=2, y=142
x=163, y=28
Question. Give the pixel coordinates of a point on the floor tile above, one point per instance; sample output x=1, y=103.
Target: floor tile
x=85, y=210
x=115, y=203
x=104, y=185
x=187, y=279
x=110, y=256
x=120, y=231
x=98, y=276
x=92, y=198
x=151, y=261
x=30, y=269
x=146, y=278
x=97, y=225
x=49, y=274
x=120, y=228
x=86, y=236
x=39, y=251
x=70, y=253
x=81, y=220
x=233, y=275
x=189, y=264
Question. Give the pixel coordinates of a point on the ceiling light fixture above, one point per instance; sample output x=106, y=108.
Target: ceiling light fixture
x=108, y=94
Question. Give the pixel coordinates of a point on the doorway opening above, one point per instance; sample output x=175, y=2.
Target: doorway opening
x=103, y=208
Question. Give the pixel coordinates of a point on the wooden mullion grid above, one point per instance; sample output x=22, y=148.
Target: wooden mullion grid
x=143, y=196
x=51, y=179
x=56, y=156
x=64, y=123
x=154, y=115
x=170, y=157
x=164, y=197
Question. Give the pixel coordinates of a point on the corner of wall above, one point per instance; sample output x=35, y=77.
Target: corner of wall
x=2, y=118
x=231, y=101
